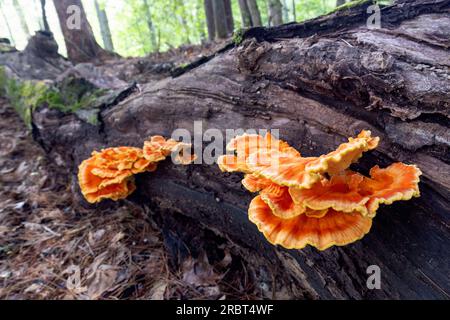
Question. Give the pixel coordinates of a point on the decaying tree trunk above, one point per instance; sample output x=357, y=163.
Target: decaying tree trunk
x=318, y=82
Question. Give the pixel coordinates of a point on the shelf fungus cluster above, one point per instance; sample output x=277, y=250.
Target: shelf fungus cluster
x=315, y=200
x=109, y=174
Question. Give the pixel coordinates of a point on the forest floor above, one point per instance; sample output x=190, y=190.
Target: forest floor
x=53, y=248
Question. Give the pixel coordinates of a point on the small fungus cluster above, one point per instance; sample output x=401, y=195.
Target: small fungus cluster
x=315, y=200
x=109, y=174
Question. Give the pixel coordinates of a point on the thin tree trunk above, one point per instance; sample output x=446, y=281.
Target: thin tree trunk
x=245, y=14
x=104, y=27
x=209, y=14
x=78, y=36
x=220, y=19
x=275, y=13
x=184, y=23
x=285, y=11
x=339, y=2
x=229, y=16
x=44, y=16
x=294, y=13
x=254, y=12
x=22, y=19
x=200, y=22
x=151, y=27
x=11, y=38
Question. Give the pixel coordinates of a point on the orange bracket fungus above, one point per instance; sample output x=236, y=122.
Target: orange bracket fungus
x=315, y=200
x=109, y=174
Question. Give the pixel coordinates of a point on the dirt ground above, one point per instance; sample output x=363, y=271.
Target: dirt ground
x=52, y=248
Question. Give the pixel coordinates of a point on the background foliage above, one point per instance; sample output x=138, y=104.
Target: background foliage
x=176, y=22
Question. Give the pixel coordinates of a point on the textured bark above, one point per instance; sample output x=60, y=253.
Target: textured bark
x=211, y=25
x=254, y=13
x=318, y=82
x=275, y=13
x=104, y=27
x=245, y=14
x=80, y=43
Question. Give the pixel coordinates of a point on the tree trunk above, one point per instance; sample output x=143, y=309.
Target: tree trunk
x=339, y=2
x=220, y=19
x=229, y=16
x=211, y=25
x=318, y=82
x=275, y=13
x=294, y=13
x=254, y=13
x=104, y=27
x=200, y=22
x=78, y=36
x=245, y=14
x=182, y=18
x=285, y=11
x=44, y=16
x=151, y=27
x=22, y=19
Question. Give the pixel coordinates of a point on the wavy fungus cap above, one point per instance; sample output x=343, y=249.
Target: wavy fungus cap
x=316, y=200
x=334, y=228
x=158, y=148
x=282, y=168
x=340, y=193
x=347, y=153
x=245, y=145
x=398, y=181
x=108, y=173
x=280, y=202
x=254, y=183
x=352, y=192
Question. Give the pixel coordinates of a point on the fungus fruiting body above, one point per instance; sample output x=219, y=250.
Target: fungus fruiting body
x=109, y=173
x=315, y=201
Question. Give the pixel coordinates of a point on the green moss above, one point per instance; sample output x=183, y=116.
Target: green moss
x=238, y=36
x=70, y=96
x=24, y=96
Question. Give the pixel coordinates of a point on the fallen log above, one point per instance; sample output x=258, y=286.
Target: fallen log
x=317, y=82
